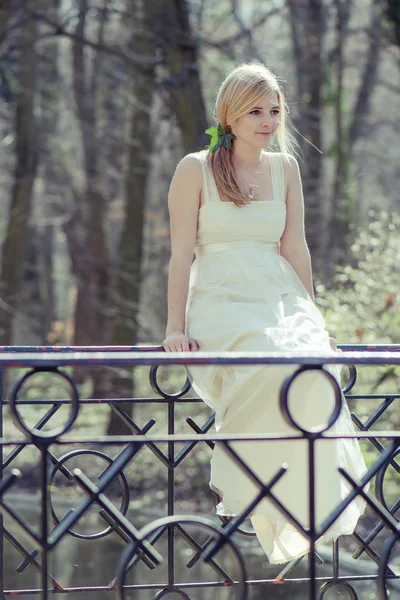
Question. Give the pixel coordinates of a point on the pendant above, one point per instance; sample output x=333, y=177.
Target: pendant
x=252, y=193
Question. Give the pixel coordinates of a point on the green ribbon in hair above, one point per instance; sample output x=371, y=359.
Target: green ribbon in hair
x=219, y=138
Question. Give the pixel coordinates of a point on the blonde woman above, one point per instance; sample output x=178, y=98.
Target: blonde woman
x=240, y=209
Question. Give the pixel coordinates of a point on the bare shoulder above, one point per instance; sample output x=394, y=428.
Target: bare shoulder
x=289, y=161
x=189, y=167
x=290, y=164
x=291, y=171
x=186, y=186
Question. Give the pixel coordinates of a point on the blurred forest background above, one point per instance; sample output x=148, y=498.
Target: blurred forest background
x=99, y=100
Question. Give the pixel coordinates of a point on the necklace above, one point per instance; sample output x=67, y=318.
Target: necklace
x=252, y=186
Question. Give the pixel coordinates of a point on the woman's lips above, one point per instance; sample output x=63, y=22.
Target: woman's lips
x=264, y=132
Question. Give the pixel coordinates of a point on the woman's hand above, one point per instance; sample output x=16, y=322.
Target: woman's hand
x=177, y=341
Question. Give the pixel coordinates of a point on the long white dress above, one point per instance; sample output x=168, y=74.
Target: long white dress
x=244, y=296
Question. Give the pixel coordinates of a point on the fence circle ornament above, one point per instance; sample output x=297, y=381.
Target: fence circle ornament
x=175, y=591
x=284, y=400
x=60, y=465
x=348, y=590
x=33, y=432
x=352, y=379
x=379, y=483
x=165, y=523
x=383, y=567
x=156, y=387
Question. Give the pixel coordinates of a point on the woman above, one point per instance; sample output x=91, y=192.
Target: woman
x=241, y=210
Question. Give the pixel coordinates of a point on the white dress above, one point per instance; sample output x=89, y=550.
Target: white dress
x=244, y=296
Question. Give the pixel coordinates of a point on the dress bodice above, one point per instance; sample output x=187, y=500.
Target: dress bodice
x=260, y=220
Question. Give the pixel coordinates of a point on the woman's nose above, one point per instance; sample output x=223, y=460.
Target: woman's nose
x=268, y=122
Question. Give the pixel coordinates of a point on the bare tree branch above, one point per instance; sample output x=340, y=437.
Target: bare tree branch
x=244, y=31
x=60, y=28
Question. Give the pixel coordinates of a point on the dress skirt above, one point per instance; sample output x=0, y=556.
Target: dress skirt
x=244, y=296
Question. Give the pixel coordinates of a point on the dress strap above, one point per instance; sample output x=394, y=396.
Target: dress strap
x=278, y=177
x=209, y=186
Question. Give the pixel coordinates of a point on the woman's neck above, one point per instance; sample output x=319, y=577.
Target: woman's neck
x=245, y=156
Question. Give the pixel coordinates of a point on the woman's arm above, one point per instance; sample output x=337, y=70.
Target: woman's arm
x=293, y=244
x=183, y=204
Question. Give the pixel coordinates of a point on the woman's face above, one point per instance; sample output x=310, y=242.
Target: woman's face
x=258, y=126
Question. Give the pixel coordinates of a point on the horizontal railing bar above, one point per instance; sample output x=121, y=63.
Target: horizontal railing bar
x=37, y=402
x=370, y=347
x=182, y=438
x=195, y=358
x=195, y=585
x=371, y=396
x=157, y=347
x=68, y=349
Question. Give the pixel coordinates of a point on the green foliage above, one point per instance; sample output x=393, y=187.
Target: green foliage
x=361, y=307
x=219, y=138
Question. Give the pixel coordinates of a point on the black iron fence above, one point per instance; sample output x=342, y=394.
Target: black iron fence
x=61, y=454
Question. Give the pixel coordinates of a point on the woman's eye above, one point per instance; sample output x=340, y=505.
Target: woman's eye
x=255, y=112
x=275, y=112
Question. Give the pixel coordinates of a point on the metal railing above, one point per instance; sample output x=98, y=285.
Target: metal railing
x=208, y=539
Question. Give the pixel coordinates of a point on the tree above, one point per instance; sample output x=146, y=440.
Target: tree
x=342, y=211
x=125, y=299
x=6, y=13
x=26, y=140
x=169, y=24
x=182, y=83
x=86, y=231
x=308, y=29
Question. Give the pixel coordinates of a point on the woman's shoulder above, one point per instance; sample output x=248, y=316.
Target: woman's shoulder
x=189, y=167
x=289, y=164
x=193, y=160
x=284, y=157
x=191, y=164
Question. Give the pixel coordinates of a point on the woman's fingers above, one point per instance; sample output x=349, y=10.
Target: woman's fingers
x=182, y=344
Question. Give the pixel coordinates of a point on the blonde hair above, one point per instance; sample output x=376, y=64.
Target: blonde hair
x=239, y=92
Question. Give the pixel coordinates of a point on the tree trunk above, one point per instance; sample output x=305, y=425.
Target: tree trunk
x=128, y=275
x=46, y=280
x=307, y=24
x=91, y=266
x=341, y=142
x=362, y=106
x=343, y=207
x=53, y=181
x=183, y=83
x=37, y=301
x=14, y=246
x=170, y=23
x=5, y=18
